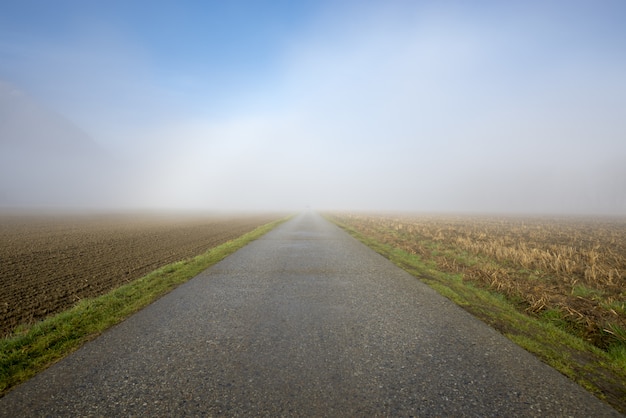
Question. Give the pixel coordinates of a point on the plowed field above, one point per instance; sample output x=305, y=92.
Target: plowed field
x=47, y=264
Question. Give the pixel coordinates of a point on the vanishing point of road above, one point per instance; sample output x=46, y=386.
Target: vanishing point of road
x=305, y=321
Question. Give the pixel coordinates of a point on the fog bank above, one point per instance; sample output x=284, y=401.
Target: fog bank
x=428, y=106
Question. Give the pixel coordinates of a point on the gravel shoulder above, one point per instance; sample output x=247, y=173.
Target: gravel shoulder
x=305, y=321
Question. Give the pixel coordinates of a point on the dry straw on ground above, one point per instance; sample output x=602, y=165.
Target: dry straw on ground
x=572, y=267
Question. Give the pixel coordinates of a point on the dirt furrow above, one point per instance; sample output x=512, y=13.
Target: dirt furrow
x=47, y=264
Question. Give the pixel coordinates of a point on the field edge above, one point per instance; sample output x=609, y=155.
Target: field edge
x=570, y=355
x=33, y=348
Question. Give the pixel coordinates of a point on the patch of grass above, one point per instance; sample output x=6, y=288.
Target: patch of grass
x=33, y=348
x=617, y=352
x=601, y=372
x=559, y=319
x=587, y=292
x=617, y=333
x=618, y=306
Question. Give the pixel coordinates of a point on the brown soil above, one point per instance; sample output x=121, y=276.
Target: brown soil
x=49, y=263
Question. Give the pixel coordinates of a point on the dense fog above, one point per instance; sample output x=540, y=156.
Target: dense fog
x=405, y=106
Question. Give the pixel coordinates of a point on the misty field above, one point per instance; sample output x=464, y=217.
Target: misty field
x=569, y=271
x=48, y=264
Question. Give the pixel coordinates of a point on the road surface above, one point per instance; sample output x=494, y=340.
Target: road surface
x=305, y=321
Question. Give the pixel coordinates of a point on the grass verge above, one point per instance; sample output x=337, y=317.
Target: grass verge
x=33, y=348
x=584, y=363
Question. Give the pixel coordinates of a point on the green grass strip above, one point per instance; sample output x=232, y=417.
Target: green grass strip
x=584, y=363
x=33, y=348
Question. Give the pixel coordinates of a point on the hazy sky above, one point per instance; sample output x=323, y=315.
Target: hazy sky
x=365, y=105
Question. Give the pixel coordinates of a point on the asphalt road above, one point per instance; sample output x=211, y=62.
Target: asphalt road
x=305, y=321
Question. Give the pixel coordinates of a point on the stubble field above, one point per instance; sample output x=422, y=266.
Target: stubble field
x=48, y=263
x=571, y=271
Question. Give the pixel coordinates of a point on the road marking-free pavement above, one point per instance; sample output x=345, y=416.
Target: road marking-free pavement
x=305, y=321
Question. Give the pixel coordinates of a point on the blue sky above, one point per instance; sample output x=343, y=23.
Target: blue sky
x=200, y=53
x=394, y=105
